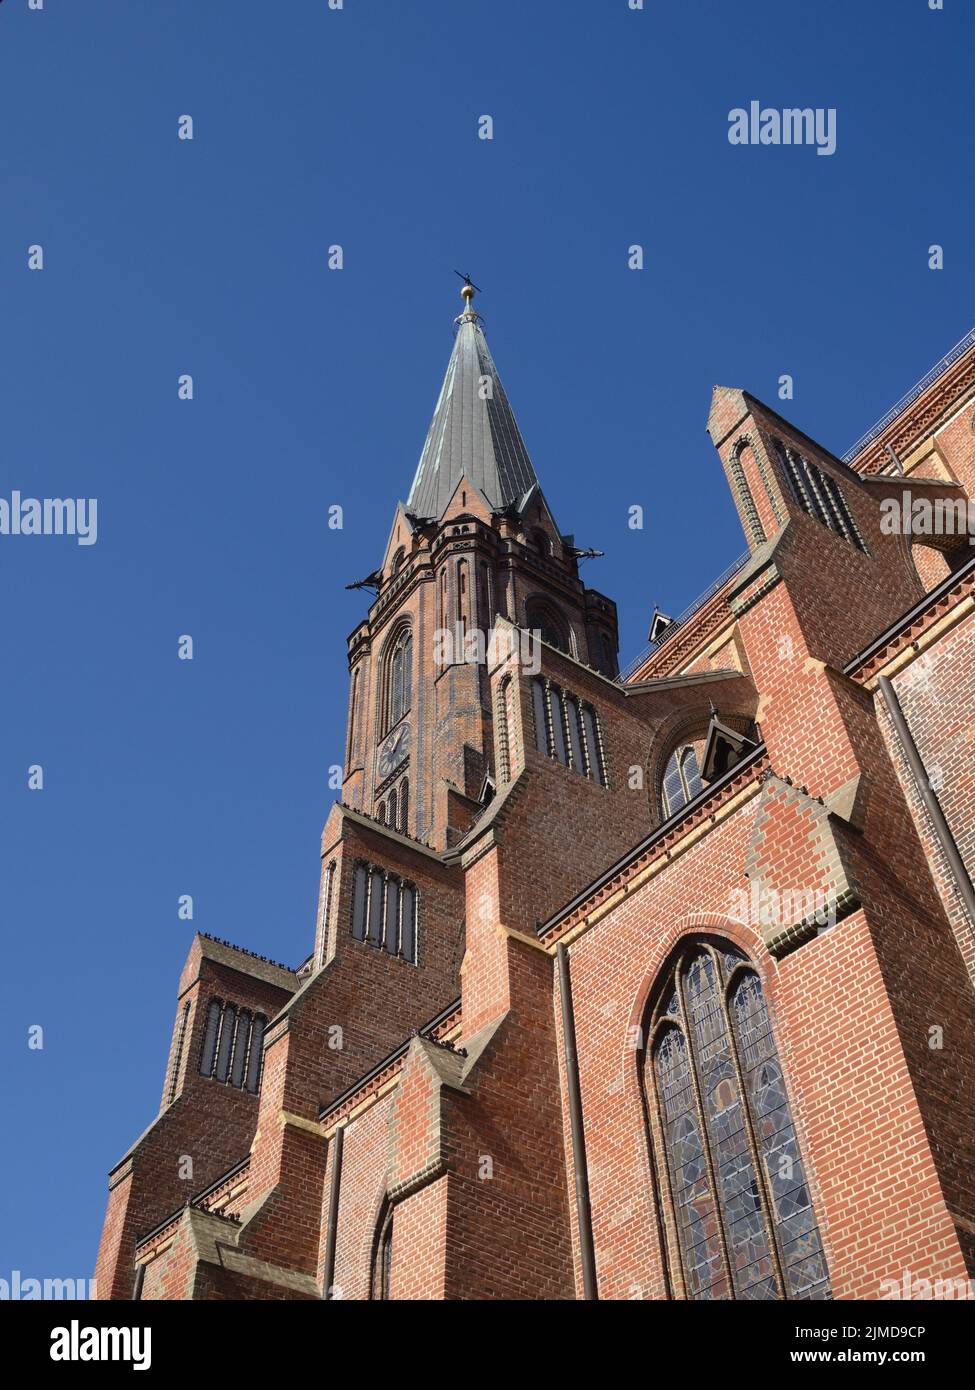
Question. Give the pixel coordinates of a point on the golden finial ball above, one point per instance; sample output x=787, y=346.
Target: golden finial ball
x=467, y=292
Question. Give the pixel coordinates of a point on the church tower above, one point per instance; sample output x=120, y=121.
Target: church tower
x=474, y=542
x=572, y=928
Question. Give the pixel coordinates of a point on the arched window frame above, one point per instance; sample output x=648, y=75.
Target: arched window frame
x=231, y=1051
x=818, y=494
x=211, y=1034
x=691, y=786
x=178, y=1052
x=380, y=1282
x=353, y=719
x=672, y=1014
x=506, y=729
x=542, y=617
x=397, y=682
x=328, y=882
x=568, y=730
x=385, y=912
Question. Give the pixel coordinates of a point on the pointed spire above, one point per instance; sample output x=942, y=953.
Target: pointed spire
x=473, y=431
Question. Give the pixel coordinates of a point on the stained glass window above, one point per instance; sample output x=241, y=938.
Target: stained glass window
x=739, y=1199
x=682, y=780
x=399, y=678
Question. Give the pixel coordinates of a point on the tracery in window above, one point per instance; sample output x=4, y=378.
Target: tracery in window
x=541, y=618
x=736, y=1193
x=399, y=678
x=682, y=780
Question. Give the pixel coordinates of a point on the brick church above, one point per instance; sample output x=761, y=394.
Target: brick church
x=653, y=985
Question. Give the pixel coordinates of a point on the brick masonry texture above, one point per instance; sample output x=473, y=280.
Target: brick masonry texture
x=458, y=1173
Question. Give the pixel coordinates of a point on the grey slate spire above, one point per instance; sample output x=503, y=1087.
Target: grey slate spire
x=470, y=435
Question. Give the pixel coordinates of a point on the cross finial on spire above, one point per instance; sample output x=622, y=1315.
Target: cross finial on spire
x=468, y=290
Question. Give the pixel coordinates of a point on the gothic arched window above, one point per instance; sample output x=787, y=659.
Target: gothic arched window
x=384, y=911
x=382, y=1263
x=540, y=618
x=682, y=780
x=603, y=652
x=353, y=714
x=735, y=1191
x=233, y=1045
x=506, y=728
x=818, y=494
x=399, y=678
x=178, y=1052
x=328, y=880
x=567, y=729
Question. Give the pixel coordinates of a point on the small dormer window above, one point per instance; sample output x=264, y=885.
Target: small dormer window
x=398, y=559
x=723, y=749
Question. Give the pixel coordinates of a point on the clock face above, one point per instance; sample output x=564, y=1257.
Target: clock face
x=394, y=750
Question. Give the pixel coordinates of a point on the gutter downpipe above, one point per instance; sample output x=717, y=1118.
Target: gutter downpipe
x=942, y=830
x=335, y=1186
x=580, y=1164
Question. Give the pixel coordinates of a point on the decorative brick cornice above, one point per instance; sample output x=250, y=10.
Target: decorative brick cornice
x=243, y=951
x=919, y=419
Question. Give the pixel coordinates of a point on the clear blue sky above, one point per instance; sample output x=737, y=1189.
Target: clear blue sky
x=312, y=387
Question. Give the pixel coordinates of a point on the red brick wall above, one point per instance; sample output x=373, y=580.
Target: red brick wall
x=937, y=695
x=210, y=1123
